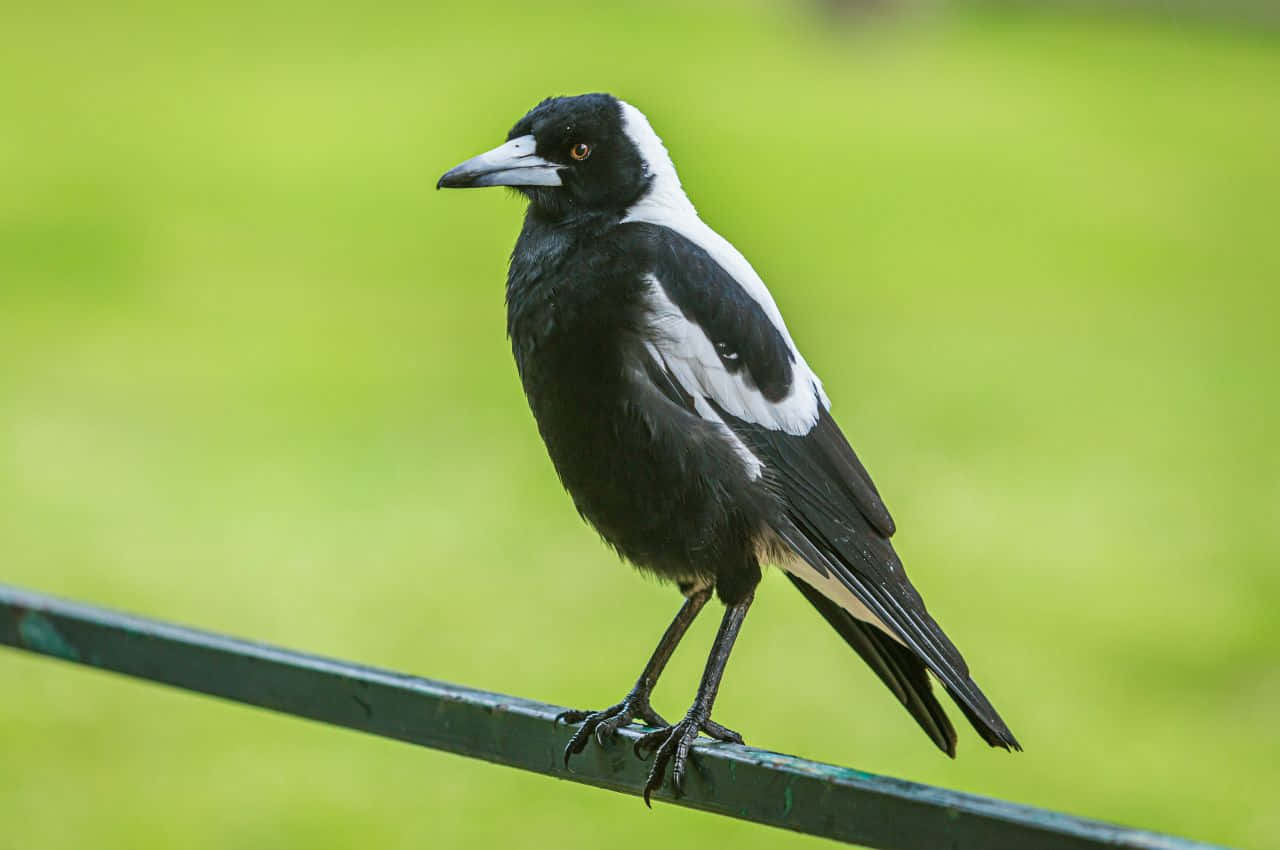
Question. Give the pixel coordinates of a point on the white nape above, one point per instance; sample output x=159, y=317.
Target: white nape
x=665, y=204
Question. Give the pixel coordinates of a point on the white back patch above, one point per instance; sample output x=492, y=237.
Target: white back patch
x=667, y=205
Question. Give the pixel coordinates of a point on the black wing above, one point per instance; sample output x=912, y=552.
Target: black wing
x=831, y=521
x=719, y=350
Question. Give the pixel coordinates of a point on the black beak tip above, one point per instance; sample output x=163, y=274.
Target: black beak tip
x=453, y=179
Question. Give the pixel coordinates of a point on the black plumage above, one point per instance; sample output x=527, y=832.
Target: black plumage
x=686, y=426
x=745, y=340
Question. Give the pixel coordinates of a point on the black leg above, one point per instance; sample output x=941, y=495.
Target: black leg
x=606, y=723
x=672, y=743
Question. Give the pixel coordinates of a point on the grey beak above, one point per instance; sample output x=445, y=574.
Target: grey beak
x=512, y=164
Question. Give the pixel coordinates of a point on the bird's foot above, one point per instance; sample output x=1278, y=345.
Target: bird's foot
x=671, y=746
x=606, y=723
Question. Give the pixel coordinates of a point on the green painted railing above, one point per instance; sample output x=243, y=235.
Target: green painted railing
x=737, y=781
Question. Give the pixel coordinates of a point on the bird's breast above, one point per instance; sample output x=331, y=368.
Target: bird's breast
x=650, y=477
x=661, y=485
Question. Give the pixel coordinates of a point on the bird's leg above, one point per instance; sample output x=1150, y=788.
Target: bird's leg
x=672, y=743
x=606, y=723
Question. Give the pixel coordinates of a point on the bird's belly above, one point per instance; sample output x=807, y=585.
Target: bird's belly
x=664, y=488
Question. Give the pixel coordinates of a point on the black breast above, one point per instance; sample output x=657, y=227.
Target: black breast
x=661, y=485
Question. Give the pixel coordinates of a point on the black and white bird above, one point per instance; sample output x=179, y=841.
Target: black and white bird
x=686, y=425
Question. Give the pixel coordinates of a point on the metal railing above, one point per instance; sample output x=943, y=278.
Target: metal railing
x=736, y=781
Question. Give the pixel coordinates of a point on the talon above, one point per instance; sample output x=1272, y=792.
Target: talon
x=669, y=745
x=721, y=733
x=604, y=725
x=606, y=730
x=673, y=745
x=661, y=757
x=576, y=745
x=649, y=788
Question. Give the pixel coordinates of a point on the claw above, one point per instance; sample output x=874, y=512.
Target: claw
x=654, y=781
x=604, y=725
x=721, y=733
x=607, y=729
x=673, y=745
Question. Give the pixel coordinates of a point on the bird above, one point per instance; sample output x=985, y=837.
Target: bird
x=687, y=427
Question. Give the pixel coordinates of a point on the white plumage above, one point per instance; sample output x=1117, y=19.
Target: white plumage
x=684, y=346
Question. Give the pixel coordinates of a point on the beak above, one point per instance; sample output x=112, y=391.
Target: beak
x=512, y=164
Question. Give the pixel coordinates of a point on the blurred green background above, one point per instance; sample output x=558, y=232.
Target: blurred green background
x=253, y=377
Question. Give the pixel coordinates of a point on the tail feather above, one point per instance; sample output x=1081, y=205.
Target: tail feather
x=898, y=667
x=997, y=735
x=906, y=675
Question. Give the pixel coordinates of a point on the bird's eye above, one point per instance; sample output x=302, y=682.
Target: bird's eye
x=580, y=151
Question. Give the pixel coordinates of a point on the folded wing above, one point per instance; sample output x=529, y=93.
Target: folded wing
x=716, y=347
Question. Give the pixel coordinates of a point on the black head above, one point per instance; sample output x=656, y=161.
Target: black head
x=569, y=155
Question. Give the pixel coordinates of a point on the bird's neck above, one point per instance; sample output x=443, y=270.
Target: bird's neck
x=535, y=279
x=566, y=290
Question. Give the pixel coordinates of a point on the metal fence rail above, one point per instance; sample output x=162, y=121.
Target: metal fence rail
x=737, y=781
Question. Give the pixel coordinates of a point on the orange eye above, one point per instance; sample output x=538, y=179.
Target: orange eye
x=580, y=151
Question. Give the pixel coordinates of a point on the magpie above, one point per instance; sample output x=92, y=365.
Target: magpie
x=687, y=427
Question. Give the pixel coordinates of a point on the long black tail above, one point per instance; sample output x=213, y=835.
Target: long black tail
x=898, y=667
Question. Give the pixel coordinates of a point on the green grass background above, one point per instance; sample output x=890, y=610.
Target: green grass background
x=253, y=377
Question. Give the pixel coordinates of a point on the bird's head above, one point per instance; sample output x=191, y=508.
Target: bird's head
x=592, y=154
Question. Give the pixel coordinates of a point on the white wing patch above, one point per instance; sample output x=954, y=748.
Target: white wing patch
x=666, y=205
x=752, y=463
x=691, y=357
